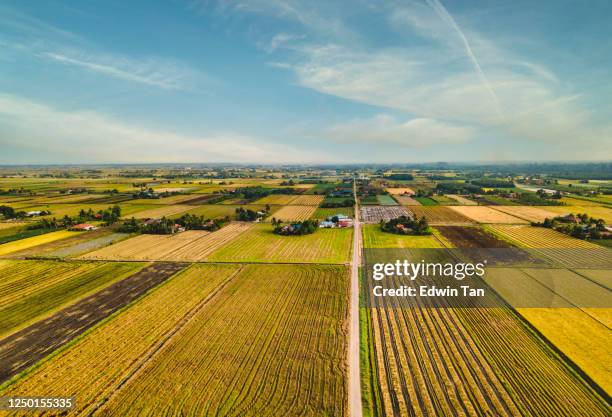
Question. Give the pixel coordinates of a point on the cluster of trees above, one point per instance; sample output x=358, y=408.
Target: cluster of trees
x=152, y=194
x=540, y=198
x=404, y=225
x=9, y=212
x=580, y=226
x=165, y=226
x=248, y=215
x=19, y=191
x=305, y=227
x=457, y=188
x=109, y=216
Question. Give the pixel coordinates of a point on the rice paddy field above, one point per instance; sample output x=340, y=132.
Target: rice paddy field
x=439, y=215
x=294, y=213
x=193, y=245
x=19, y=245
x=260, y=244
x=486, y=215
x=245, y=322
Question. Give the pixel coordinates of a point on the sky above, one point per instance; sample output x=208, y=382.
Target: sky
x=270, y=81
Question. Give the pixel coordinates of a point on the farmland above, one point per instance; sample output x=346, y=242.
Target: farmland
x=373, y=237
x=292, y=213
x=36, y=288
x=386, y=200
x=556, y=246
x=260, y=244
x=281, y=199
x=594, y=211
x=580, y=336
x=438, y=215
x=95, y=365
x=529, y=213
x=193, y=245
x=161, y=211
x=307, y=200
x=323, y=213
x=252, y=377
x=27, y=346
x=18, y=245
x=462, y=200
x=406, y=200
x=400, y=191
x=482, y=214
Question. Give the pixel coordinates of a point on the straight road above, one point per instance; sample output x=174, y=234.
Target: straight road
x=353, y=353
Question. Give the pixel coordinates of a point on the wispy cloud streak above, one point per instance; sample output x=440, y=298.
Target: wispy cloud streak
x=448, y=18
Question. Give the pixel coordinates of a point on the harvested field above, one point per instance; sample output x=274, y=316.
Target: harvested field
x=445, y=361
x=483, y=214
x=282, y=199
x=374, y=214
x=373, y=237
x=462, y=200
x=24, y=348
x=93, y=367
x=563, y=249
x=212, y=211
x=251, y=352
x=438, y=215
x=260, y=244
x=471, y=237
x=307, y=200
x=294, y=213
x=159, y=212
x=405, y=200
x=32, y=289
x=18, y=245
x=400, y=191
x=529, y=213
x=199, y=199
x=192, y=245
x=600, y=276
x=85, y=246
x=323, y=213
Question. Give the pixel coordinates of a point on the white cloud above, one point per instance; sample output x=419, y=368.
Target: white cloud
x=79, y=136
x=382, y=128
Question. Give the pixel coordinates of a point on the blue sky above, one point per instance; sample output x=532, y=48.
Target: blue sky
x=305, y=81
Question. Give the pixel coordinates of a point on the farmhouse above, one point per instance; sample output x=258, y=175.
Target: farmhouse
x=83, y=227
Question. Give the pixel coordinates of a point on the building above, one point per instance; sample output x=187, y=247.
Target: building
x=83, y=227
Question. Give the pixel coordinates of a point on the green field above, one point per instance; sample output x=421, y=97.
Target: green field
x=386, y=200
x=260, y=244
x=323, y=213
x=373, y=237
x=426, y=201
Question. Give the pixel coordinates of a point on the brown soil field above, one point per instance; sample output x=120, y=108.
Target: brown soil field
x=192, y=245
x=24, y=348
x=291, y=213
x=471, y=237
x=199, y=199
x=439, y=215
x=483, y=214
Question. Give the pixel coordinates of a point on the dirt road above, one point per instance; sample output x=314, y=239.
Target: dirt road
x=353, y=353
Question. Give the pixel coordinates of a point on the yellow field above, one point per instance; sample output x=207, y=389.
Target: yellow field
x=578, y=202
x=18, y=245
x=192, y=245
x=94, y=366
x=397, y=191
x=373, y=237
x=307, y=200
x=159, y=212
x=566, y=250
x=462, y=200
x=8, y=225
x=482, y=214
x=581, y=334
x=529, y=213
x=599, y=212
x=294, y=213
x=276, y=199
x=271, y=343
